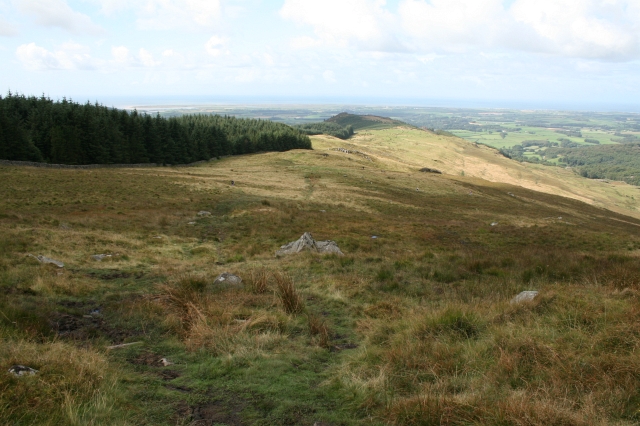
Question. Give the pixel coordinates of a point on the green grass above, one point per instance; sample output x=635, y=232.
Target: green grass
x=413, y=327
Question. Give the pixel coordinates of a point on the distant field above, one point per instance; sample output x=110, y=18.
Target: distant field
x=530, y=133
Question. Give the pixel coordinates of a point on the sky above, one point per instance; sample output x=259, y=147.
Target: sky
x=580, y=54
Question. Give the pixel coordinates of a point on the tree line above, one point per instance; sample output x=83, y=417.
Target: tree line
x=65, y=132
x=326, y=128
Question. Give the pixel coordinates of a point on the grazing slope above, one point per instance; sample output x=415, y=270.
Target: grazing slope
x=410, y=149
x=411, y=327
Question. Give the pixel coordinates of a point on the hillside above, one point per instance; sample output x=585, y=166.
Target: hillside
x=409, y=149
x=359, y=122
x=413, y=325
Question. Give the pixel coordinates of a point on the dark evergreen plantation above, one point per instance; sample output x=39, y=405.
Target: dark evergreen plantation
x=65, y=132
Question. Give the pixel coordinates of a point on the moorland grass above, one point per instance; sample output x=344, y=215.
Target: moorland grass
x=411, y=327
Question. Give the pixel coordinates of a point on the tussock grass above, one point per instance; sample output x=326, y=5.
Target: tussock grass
x=291, y=300
x=319, y=329
x=411, y=327
x=259, y=281
x=73, y=385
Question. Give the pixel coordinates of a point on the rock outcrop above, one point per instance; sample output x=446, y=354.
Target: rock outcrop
x=307, y=243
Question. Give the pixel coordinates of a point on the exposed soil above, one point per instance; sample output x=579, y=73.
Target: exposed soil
x=87, y=327
x=147, y=358
x=222, y=409
x=114, y=274
x=169, y=375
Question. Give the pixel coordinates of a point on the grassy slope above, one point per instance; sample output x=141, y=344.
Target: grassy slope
x=410, y=149
x=359, y=122
x=413, y=327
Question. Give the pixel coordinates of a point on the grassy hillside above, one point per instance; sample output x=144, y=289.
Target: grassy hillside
x=409, y=149
x=413, y=327
x=359, y=122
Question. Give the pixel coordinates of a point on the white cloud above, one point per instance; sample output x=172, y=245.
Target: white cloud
x=122, y=56
x=168, y=14
x=304, y=42
x=69, y=56
x=146, y=58
x=364, y=23
x=601, y=29
x=589, y=29
x=451, y=23
x=57, y=13
x=329, y=76
x=7, y=29
x=595, y=29
x=215, y=46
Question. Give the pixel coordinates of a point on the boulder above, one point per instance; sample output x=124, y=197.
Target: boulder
x=43, y=259
x=204, y=213
x=525, y=296
x=306, y=242
x=21, y=370
x=228, y=280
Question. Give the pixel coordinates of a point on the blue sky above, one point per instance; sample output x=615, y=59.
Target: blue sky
x=565, y=53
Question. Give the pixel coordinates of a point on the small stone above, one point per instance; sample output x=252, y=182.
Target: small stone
x=165, y=362
x=228, y=279
x=525, y=296
x=511, y=194
x=191, y=223
x=560, y=218
x=203, y=213
x=21, y=370
x=494, y=223
x=373, y=237
x=99, y=257
x=44, y=259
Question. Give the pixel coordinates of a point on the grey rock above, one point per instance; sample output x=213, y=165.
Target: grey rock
x=99, y=257
x=306, y=242
x=191, y=223
x=228, y=280
x=21, y=370
x=494, y=223
x=203, y=213
x=525, y=296
x=43, y=259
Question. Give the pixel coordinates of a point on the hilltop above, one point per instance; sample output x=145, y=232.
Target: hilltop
x=359, y=122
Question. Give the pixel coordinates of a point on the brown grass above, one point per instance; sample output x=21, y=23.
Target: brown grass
x=319, y=329
x=291, y=300
x=259, y=281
